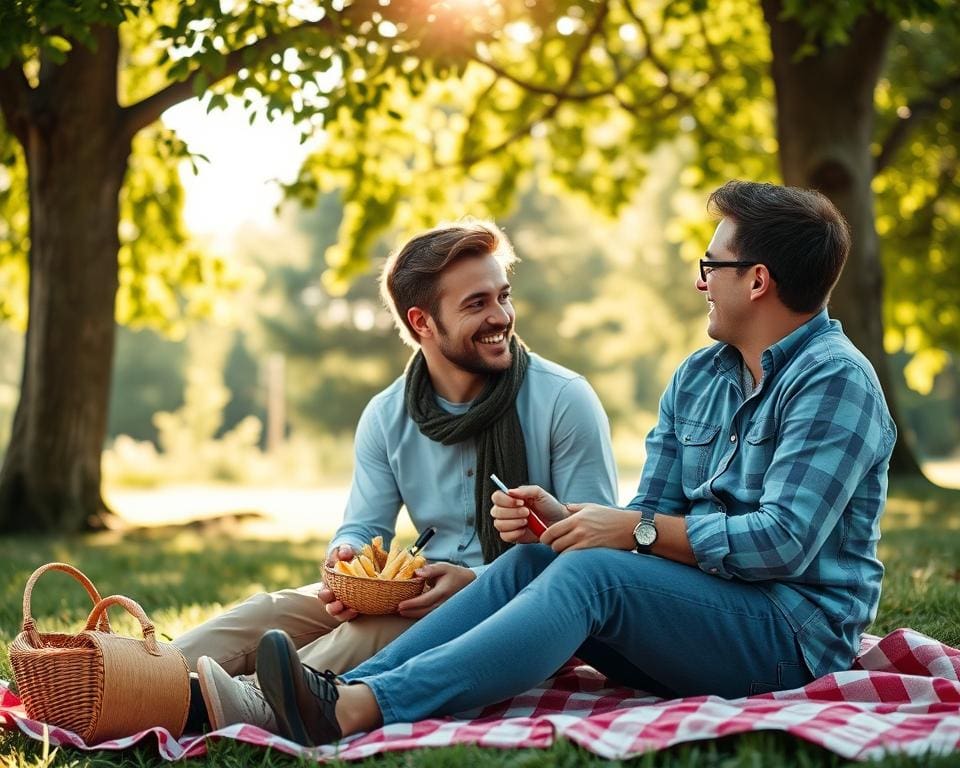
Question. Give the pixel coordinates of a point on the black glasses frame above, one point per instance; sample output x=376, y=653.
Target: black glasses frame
x=707, y=264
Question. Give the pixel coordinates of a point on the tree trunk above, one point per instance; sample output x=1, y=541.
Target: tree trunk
x=50, y=479
x=825, y=121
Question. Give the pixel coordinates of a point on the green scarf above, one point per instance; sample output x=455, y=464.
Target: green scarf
x=491, y=421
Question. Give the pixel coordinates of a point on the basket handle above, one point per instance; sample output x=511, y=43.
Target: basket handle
x=132, y=607
x=29, y=626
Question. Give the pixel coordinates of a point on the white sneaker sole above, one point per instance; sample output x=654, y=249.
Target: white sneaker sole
x=211, y=698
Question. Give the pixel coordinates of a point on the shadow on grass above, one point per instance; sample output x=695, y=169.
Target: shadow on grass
x=180, y=574
x=920, y=547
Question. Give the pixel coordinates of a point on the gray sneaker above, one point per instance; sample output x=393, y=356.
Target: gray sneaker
x=232, y=700
x=303, y=699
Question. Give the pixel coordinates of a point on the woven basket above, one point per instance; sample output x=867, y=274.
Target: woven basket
x=97, y=684
x=371, y=596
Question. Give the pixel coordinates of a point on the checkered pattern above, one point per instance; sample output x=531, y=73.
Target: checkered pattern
x=903, y=695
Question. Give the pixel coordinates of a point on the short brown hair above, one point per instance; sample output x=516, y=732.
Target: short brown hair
x=411, y=274
x=798, y=234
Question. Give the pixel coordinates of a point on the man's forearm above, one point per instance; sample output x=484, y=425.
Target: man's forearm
x=672, y=542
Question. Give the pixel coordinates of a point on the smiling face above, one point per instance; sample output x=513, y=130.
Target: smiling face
x=474, y=316
x=727, y=290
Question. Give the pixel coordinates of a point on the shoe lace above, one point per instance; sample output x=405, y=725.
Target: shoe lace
x=327, y=690
x=254, y=696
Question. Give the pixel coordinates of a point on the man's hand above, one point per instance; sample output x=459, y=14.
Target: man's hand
x=591, y=525
x=510, y=512
x=334, y=607
x=443, y=581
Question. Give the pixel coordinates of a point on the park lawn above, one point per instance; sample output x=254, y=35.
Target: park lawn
x=183, y=575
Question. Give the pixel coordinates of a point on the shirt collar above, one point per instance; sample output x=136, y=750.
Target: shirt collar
x=776, y=355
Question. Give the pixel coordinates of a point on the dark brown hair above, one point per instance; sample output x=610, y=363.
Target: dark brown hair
x=411, y=274
x=798, y=234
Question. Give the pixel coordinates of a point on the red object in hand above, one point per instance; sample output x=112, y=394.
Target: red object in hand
x=536, y=525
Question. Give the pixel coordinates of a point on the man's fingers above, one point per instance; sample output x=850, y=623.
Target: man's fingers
x=527, y=491
x=343, y=552
x=340, y=612
x=509, y=513
x=505, y=525
x=432, y=571
x=326, y=595
x=427, y=599
x=565, y=541
x=523, y=536
x=501, y=499
x=557, y=530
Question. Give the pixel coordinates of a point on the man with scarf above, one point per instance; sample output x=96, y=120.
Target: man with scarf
x=473, y=401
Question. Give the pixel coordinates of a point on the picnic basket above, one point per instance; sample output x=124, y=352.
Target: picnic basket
x=95, y=683
x=371, y=596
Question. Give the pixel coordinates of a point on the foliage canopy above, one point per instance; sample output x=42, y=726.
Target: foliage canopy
x=425, y=109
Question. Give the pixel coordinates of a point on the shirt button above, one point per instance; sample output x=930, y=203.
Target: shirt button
x=733, y=438
x=469, y=473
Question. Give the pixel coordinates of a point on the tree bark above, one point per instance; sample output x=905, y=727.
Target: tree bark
x=50, y=479
x=825, y=123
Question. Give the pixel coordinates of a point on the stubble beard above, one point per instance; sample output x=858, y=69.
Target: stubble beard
x=473, y=362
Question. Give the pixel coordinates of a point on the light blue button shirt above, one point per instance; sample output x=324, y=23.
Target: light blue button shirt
x=567, y=438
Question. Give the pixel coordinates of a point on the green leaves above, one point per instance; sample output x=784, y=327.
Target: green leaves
x=14, y=232
x=30, y=29
x=165, y=280
x=917, y=197
x=424, y=111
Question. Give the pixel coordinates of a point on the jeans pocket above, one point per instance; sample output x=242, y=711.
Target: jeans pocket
x=792, y=675
x=789, y=675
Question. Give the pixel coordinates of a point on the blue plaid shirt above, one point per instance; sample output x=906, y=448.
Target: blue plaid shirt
x=785, y=487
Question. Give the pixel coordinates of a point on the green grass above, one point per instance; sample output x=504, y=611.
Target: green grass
x=183, y=575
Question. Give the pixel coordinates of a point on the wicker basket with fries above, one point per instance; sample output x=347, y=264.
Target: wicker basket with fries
x=376, y=581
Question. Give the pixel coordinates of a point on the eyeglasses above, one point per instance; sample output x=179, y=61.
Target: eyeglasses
x=707, y=266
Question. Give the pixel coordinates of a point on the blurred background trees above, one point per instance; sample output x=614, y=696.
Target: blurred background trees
x=592, y=129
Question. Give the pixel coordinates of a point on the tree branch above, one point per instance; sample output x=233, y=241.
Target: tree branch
x=15, y=100
x=648, y=39
x=139, y=115
x=918, y=111
x=560, y=95
x=546, y=90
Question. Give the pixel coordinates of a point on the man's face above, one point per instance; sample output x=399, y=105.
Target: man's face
x=475, y=318
x=728, y=292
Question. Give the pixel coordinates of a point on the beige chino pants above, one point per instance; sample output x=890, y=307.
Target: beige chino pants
x=231, y=638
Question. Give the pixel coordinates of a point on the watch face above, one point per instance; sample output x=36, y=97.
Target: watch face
x=645, y=534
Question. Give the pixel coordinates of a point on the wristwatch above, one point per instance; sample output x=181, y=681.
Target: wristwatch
x=645, y=534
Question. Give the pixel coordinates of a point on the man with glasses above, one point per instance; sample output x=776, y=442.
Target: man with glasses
x=746, y=562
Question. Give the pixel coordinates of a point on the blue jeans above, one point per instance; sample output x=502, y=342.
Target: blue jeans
x=643, y=621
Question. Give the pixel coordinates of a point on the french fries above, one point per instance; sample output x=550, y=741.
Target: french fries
x=374, y=562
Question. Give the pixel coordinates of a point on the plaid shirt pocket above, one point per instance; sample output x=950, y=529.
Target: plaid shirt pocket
x=697, y=443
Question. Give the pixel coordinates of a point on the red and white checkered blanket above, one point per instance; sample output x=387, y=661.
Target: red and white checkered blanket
x=903, y=695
